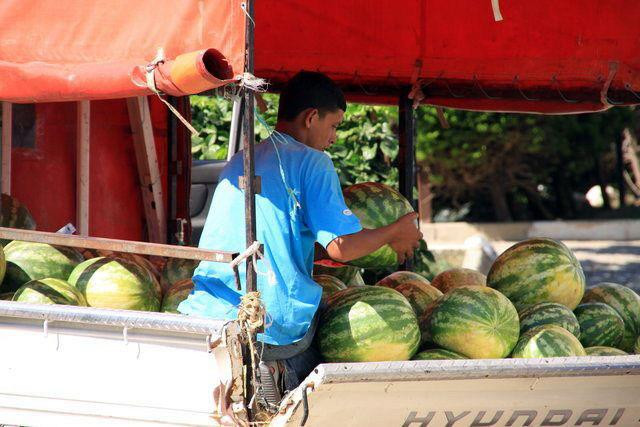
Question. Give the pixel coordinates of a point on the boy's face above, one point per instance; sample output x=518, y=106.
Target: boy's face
x=322, y=128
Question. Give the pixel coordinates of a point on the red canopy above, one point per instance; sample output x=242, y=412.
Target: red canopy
x=57, y=50
x=544, y=55
x=467, y=57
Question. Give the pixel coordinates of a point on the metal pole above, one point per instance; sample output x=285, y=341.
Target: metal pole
x=247, y=143
x=406, y=153
x=249, y=185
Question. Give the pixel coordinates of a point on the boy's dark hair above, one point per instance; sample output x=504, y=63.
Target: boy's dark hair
x=309, y=89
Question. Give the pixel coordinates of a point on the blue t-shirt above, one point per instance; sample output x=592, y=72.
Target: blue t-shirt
x=288, y=222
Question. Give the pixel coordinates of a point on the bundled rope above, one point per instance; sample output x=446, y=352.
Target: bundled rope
x=251, y=311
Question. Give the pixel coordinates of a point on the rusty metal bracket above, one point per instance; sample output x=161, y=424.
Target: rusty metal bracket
x=257, y=183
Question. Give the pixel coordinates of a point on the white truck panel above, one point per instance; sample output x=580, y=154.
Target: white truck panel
x=511, y=392
x=75, y=373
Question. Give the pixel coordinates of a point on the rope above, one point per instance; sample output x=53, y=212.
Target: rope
x=251, y=311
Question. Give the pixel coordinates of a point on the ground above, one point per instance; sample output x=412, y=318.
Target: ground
x=603, y=260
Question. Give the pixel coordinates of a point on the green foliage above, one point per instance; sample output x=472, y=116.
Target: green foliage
x=367, y=145
x=486, y=166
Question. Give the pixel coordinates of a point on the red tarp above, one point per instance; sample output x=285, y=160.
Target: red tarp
x=544, y=49
x=365, y=44
x=56, y=50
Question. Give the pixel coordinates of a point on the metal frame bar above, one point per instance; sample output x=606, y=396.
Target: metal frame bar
x=185, y=252
x=7, y=130
x=406, y=153
x=83, y=148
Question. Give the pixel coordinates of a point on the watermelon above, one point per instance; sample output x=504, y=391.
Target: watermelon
x=177, y=269
x=3, y=264
x=600, y=325
x=349, y=275
x=138, y=259
x=549, y=313
x=623, y=300
x=14, y=214
x=376, y=205
x=420, y=294
x=368, y=324
x=456, y=277
x=437, y=354
x=547, y=341
x=175, y=295
x=116, y=283
x=49, y=291
x=329, y=284
x=28, y=261
x=604, y=351
x=538, y=270
x=636, y=347
x=402, y=277
x=475, y=321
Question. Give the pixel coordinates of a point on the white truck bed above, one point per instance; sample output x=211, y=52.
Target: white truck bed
x=94, y=367
x=507, y=392
x=79, y=366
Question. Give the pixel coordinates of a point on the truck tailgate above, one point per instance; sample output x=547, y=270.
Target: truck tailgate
x=508, y=392
x=79, y=366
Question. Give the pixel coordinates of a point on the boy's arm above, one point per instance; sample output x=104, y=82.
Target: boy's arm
x=403, y=236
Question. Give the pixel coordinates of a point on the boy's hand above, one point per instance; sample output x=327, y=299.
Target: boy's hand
x=406, y=236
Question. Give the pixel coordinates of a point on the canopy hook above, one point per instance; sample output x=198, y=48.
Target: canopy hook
x=604, y=93
x=516, y=82
x=455, y=95
x=556, y=84
x=628, y=87
x=477, y=84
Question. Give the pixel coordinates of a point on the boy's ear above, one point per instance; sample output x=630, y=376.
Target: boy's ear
x=310, y=115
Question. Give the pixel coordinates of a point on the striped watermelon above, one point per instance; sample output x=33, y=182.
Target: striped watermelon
x=177, y=269
x=600, y=325
x=14, y=214
x=49, y=291
x=116, y=283
x=349, y=275
x=623, y=300
x=549, y=313
x=368, y=324
x=28, y=261
x=547, y=341
x=401, y=277
x=417, y=290
x=175, y=295
x=604, y=351
x=437, y=354
x=138, y=259
x=538, y=270
x=376, y=205
x=330, y=285
x=456, y=277
x=475, y=321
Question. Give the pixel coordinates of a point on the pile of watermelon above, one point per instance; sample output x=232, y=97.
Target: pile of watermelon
x=46, y=274
x=532, y=304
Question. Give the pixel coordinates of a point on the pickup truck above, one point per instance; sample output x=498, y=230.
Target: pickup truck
x=81, y=366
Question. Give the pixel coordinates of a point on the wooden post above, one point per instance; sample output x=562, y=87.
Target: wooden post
x=82, y=166
x=7, y=127
x=148, y=169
